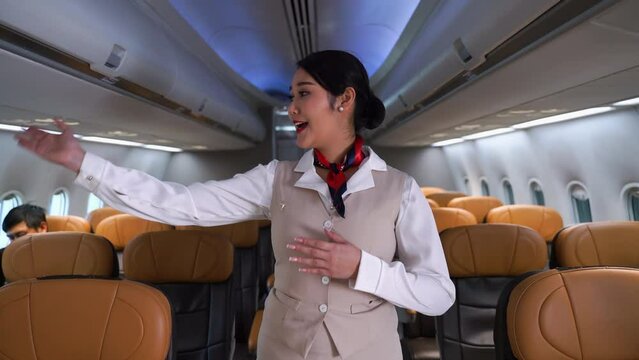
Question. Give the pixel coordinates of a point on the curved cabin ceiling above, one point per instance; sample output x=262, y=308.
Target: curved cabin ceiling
x=262, y=40
x=444, y=69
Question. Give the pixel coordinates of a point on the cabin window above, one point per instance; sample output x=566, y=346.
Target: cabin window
x=537, y=194
x=633, y=203
x=467, y=186
x=509, y=196
x=94, y=203
x=485, y=190
x=580, y=203
x=59, y=204
x=9, y=201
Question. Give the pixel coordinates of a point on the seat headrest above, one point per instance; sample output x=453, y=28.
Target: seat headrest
x=432, y=203
x=241, y=235
x=120, y=229
x=447, y=218
x=263, y=223
x=67, y=223
x=546, y=221
x=587, y=313
x=84, y=319
x=443, y=198
x=96, y=216
x=479, y=206
x=493, y=250
x=427, y=190
x=178, y=256
x=613, y=243
x=58, y=253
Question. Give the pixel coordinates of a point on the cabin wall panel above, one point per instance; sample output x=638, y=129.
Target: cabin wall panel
x=598, y=151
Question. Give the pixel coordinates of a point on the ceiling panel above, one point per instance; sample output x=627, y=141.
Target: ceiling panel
x=33, y=91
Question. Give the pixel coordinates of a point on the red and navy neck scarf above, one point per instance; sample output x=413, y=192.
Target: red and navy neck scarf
x=336, y=178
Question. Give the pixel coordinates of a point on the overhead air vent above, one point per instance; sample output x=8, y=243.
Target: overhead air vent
x=462, y=52
x=116, y=57
x=300, y=15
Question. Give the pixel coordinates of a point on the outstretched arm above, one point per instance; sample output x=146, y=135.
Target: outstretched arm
x=246, y=196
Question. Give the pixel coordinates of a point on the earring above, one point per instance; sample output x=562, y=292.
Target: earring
x=340, y=109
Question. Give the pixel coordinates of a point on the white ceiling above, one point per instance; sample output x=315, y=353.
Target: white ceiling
x=33, y=91
x=592, y=64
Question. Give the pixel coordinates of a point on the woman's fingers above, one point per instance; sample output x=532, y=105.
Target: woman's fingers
x=310, y=262
x=309, y=250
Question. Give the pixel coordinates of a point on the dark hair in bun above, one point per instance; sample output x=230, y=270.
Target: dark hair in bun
x=336, y=70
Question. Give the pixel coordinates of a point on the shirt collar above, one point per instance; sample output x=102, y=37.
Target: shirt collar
x=361, y=180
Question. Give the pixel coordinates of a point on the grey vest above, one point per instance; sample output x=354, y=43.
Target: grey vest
x=299, y=302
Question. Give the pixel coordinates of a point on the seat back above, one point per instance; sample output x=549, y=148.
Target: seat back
x=59, y=253
x=446, y=218
x=443, y=198
x=193, y=269
x=244, y=237
x=482, y=259
x=585, y=313
x=432, y=203
x=96, y=216
x=479, y=206
x=120, y=229
x=546, y=221
x=88, y=319
x=613, y=243
x=265, y=257
x=427, y=190
x=67, y=223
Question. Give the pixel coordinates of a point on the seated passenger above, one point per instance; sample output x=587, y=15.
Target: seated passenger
x=24, y=219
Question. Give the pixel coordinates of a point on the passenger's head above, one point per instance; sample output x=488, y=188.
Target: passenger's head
x=332, y=96
x=24, y=219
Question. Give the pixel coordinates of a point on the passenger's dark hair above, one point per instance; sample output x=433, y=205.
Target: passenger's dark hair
x=32, y=215
x=336, y=70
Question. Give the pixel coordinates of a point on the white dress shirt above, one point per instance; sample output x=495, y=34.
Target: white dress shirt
x=419, y=280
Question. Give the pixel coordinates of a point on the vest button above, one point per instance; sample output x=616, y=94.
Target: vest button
x=328, y=225
x=325, y=280
x=323, y=308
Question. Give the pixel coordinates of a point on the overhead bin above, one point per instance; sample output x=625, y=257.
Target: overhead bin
x=454, y=39
x=119, y=41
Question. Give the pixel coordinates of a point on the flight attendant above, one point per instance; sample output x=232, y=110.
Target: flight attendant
x=352, y=236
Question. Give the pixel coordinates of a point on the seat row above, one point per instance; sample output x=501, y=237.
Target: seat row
x=66, y=282
x=487, y=261
x=253, y=256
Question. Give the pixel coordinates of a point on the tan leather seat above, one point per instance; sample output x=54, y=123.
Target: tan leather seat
x=193, y=269
x=446, y=218
x=120, y=229
x=477, y=205
x=432, y=203
x=613, y=243
x=87, y=319
x=96, y=216
x=482, y=260
x=241, y=235
x=546, y=221
x=59, y=253
x=443, y=198
x=586, y=313
x=427, y=190
x=244, y=237
x=67, y=223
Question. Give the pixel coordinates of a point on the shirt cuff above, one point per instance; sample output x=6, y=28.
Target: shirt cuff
x=369, y=273
x=90, y=172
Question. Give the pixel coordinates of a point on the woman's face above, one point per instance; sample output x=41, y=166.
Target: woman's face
x=315, y=118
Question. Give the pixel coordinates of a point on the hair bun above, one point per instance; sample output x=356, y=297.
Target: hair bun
x=374, y=113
